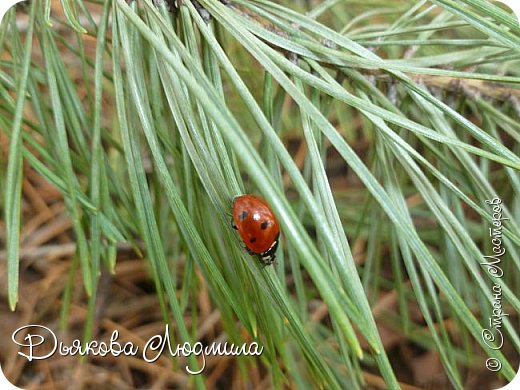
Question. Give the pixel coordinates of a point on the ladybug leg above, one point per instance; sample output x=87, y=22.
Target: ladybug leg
x=233, y=225
x=246, y=249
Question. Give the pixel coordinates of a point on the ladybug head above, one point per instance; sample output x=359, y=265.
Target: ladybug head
x=269, y=256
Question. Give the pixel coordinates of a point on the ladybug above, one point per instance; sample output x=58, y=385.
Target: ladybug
x=257, y=225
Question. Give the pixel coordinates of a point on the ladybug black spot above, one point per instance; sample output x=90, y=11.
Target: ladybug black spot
x=243, y=215
x=264, y=225
x=252, y=239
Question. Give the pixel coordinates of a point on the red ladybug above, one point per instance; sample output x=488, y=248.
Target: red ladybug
x=257, y=225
